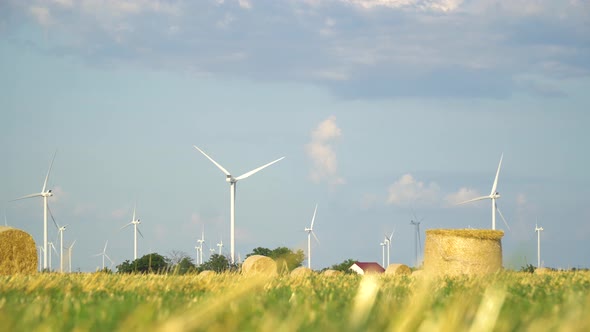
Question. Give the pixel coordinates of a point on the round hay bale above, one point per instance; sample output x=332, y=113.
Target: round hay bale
x=418, y=273
x=207, y=273
x=462, y=251
x=257, y=264
x=398, y=270
x=18, y=252
x=542, y=270
x=332, y=273
x=301, y=271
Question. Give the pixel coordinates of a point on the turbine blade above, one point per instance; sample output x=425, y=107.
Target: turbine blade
x=391, y=236
x=72, y=245
x=107, y=256
x=497, y=174
x=313, y=218
x=49, y=171
x=52, y=218
x=140, y=232
x=125, y=225
x=473, y=200
x=245, y=175
x=26, y=196
x=105, y=246
x=315, y=237
x=134, y=206
x=213, y=161
x=502, y=216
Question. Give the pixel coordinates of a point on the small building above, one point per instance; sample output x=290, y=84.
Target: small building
x=366, y=268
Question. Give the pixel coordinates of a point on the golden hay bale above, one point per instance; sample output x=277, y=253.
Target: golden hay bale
x=18, y=252
x=257, y=264
x=398, y=270
x=462, y=251
x=207, y=273
x=301, y=271
x=542, y=270
x=331, y=273
x=418, y=273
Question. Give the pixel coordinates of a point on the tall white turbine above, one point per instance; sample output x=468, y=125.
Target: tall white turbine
x=104, y=254
x=45, y=193
x=70, y=255
x=494, y=195
x=41, y=258
x=200, y=246
x=60, y=230
x=232, y=193
x=135, y=223
x=387, y=242
x=538, y=230
x=310, y=232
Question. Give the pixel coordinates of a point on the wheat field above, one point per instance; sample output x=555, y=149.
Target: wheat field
x=507, y=301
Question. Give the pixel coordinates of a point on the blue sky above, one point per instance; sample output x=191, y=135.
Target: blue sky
x=381, y=108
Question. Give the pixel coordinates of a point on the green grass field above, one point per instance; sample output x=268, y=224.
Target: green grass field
x=507, y=301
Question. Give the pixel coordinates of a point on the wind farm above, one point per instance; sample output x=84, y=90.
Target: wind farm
x=369, y=140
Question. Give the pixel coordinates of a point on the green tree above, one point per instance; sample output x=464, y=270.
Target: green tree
x=216, y=262
x=344, y=266
x=260, y=251
x=286, y=259
x=150, y=263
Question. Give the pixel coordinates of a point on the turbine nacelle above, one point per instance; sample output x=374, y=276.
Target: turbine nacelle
x=48, y=193
x=230, y=179
x=495, y=195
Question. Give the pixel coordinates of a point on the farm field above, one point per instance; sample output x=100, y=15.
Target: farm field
x=507, y=301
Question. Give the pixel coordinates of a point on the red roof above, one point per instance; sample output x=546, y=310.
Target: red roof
x=370, y=267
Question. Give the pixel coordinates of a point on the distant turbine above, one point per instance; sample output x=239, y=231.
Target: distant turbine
x=538, y=230
x=232, y=192
x=417, y=241
x=70, y=254
x=310, y=232
x=387, y=241
x=200, y=246
x=494, y=195
x=104, y=254
x=220, y=245
x=51, y=246
x=135, y=223
x=45, y=194
x=60, y=230
x=382, y=244
x=40, y=258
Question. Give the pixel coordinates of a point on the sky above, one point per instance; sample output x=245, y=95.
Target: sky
x=385, y=111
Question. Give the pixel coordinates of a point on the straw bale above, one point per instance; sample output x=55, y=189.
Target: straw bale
x=398, y=270
x=542, y=270
x=301, y=271
x=462, y=251
x=417, y=273
x=331, y=273
x=258, y=264
x=18, y=252
x=207, y=273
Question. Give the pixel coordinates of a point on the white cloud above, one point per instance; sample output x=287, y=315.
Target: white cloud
x=434, y=5
x=462, y=195
x=322, y=154
x=407, y=191
x=245, y=4
x=41, y=14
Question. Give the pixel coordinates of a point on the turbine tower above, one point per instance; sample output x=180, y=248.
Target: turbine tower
x=310, y=232
x=200, y=246
x=60, y=230
x=494, y=195
x=232, y=192
x=70, y=255
x=45, y=193
x=417, y=242
x=387, y=242
x=135, y=223
x=104, y=254
x=220, y=245
x=382, y=244
x=538, y=230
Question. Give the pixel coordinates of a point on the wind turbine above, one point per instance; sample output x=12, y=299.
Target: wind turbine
x=45, y=194
x=52, y=247
x=538, y=230
x=40, y=258
x=494, y=195
x=387, y=241
x=70, y=254
x=220, y=245
x=200, y=250
x=134, y=222
x=104, y=254
x=310, y=232
x=232, y=192
x=382, y=244
x=418, y=244
x=60, y=230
